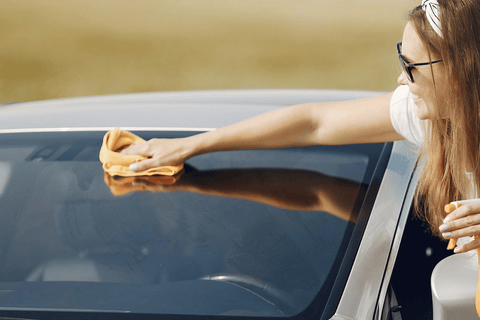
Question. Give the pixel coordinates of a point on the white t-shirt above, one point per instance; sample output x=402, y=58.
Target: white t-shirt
x=403, y=114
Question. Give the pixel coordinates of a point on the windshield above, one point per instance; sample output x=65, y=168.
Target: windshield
x=245, y=233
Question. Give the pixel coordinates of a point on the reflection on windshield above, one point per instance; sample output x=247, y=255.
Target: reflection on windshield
x=4, y=175
x=284, y=188
x=120, y=186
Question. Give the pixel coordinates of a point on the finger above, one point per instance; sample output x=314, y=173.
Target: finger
x=463, y=211
x=134, y=149
x=464, y=232
x=143, y=165
x=460, y=223
x=468, y=246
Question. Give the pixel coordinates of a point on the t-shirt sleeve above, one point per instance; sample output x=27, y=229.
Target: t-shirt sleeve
x=403, y=114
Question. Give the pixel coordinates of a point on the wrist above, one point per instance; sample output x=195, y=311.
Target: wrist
x=193, y=146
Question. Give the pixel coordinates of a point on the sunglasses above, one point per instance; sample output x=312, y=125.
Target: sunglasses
x=406, y=66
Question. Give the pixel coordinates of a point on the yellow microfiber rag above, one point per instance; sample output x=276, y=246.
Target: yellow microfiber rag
x=117, y=164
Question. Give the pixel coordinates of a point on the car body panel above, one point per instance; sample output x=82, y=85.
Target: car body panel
x=363, y=290
x=454, y=287
x=205, y=110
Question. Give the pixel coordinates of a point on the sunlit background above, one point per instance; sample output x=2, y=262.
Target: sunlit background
x=69, y=48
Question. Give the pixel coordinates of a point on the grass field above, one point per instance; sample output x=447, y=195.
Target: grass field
x=67, y=48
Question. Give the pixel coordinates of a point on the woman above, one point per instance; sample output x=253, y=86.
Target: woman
x=436, y=106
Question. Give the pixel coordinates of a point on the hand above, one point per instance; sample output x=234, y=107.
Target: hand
x=161, y=152
x=463, y=222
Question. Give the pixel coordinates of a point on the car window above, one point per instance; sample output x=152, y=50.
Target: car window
x=245, y=233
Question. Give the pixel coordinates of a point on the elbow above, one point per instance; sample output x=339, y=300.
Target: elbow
x=317, y=126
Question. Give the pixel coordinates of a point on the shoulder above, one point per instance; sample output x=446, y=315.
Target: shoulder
x=403, y=114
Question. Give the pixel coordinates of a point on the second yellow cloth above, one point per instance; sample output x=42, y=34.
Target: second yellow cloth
x=117, y=164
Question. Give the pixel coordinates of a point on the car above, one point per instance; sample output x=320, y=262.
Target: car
x=300, y=233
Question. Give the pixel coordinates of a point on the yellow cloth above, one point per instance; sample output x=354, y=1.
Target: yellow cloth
x=121, y=186
x=117, y=164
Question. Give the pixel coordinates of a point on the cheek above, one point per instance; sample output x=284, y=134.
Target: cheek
x=432, y=97
x=439, y=100
x=441, y=91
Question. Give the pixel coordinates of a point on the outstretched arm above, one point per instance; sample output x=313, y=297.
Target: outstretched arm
x=331, y=123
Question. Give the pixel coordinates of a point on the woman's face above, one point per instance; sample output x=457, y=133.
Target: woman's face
x=428, y=100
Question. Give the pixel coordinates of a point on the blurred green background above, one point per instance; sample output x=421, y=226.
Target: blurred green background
x=67, y=48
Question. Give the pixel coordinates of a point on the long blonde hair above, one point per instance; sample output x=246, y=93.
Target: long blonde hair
x=452, y=146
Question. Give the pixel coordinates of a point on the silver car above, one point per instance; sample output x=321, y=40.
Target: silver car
x=301, y=233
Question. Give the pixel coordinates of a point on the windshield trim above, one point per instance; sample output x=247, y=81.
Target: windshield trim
x=363, y=286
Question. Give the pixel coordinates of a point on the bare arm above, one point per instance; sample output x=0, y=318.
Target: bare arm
x=332, y=123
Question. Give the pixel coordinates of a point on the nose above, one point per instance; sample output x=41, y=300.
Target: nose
x=402, y=78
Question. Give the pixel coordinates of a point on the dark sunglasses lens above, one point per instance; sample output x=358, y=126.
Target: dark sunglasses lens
x=407, y=70
x=409, y=74
x=404, y=68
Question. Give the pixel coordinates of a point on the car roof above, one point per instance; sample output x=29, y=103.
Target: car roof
x=191, y=109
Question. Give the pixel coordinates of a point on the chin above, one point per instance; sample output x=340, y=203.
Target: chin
x=423, y=116
x=423, y=112
x=427, y=116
